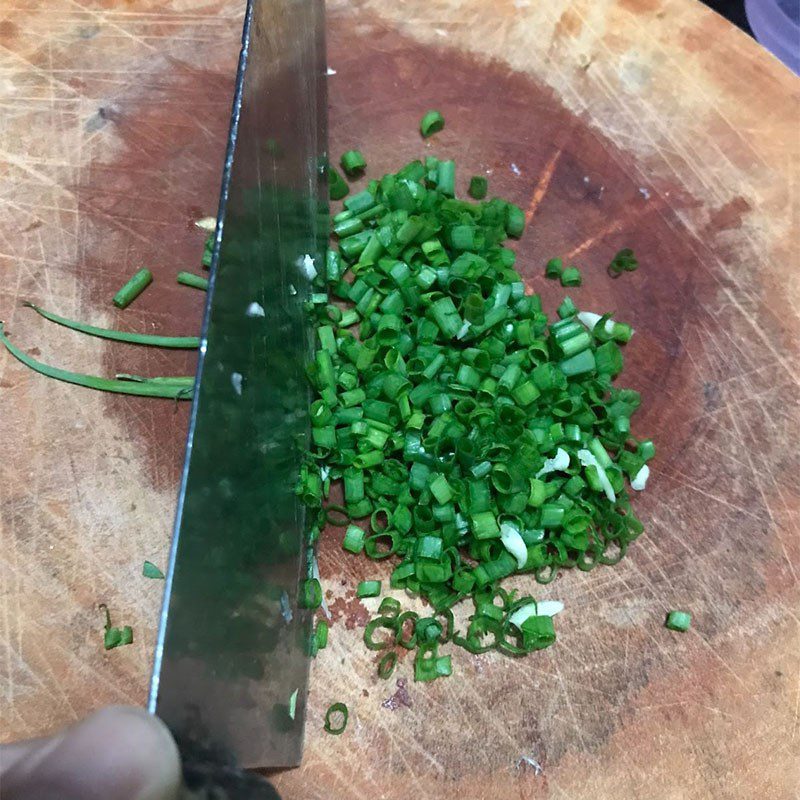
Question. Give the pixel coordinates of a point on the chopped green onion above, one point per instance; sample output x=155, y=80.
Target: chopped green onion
x=368, y=589
x=478, y=186
x=571, y=276
x=389, y=607
x=623, y=261
x=195, y=281
x=554, y=268
x=336, y=718
x=353, y=539
x=477, y=438
x=353, y=163
x=310, y=595
x=679, y=621
x=133, y=288
x=431, y=122
x=321, y=634
x=515, y=221
x=337, y=186
x=150, y=570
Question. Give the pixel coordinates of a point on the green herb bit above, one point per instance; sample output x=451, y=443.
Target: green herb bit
x=150, y=570
x=310, y=594
x=368, y=589
x=336, y=718
x=353, y=163
x=571, y=276
x=133, y=288
x=337, y=186
x=679, y=621
x=478, y=187
x=149, y=388
x=554, y=268
x=148, y=339
x=208, y=250
x=431, y=122
x=195, y=281
x=623, y=261
x=113, y=636
x=321, y=634
x=353, y=538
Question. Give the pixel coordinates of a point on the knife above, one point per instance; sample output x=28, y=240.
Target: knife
x=231, y=666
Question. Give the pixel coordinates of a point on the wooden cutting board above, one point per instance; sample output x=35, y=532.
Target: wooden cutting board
x=644, y=123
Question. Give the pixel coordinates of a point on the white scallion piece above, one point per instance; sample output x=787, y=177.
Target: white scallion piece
x=590, y=320
x=549, y=608
x=513, y=542
x=255, y=310
x=522, y=613
x=462, y=331
x=306, y=266
x=206, y=224
x=588, y=460
x=558, y=463
x=640, y=479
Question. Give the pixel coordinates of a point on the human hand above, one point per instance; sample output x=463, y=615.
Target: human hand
x=118, y=753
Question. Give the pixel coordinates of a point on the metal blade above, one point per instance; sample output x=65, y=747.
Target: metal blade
x=231, y=647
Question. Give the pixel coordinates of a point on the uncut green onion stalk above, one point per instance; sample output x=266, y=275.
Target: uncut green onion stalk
x=151, y=340
x=165, y=387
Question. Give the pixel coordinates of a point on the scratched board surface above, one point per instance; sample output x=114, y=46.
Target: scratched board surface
x=644, y=123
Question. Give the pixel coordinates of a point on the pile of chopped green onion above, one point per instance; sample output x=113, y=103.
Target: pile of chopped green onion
x=473, y=437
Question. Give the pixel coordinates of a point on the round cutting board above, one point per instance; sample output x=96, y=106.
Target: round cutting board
x=651, y=124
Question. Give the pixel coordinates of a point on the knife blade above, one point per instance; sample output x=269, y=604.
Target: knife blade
x=231, y=650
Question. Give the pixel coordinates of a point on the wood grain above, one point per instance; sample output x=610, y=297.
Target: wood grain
x=630, y=122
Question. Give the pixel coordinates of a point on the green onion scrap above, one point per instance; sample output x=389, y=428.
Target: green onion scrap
x=336, y=718
x=368, y=589
x=195, y=281
x=337, y=186
x=133, y=288
x=150, y=570
x=478, y=187
x=474, y=438
x=113, y=636
x=353, y=163
x=679, y=621
x=431, y=122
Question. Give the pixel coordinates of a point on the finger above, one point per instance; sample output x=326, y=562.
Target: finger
x=120, y=753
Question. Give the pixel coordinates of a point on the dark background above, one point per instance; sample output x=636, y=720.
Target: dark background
x=732, y=10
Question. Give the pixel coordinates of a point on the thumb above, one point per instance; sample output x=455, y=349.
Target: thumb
x=120, y=753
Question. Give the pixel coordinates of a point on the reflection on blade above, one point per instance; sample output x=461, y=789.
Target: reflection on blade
x=231, y=647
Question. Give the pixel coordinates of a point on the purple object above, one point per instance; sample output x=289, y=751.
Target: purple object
x=776, y=24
